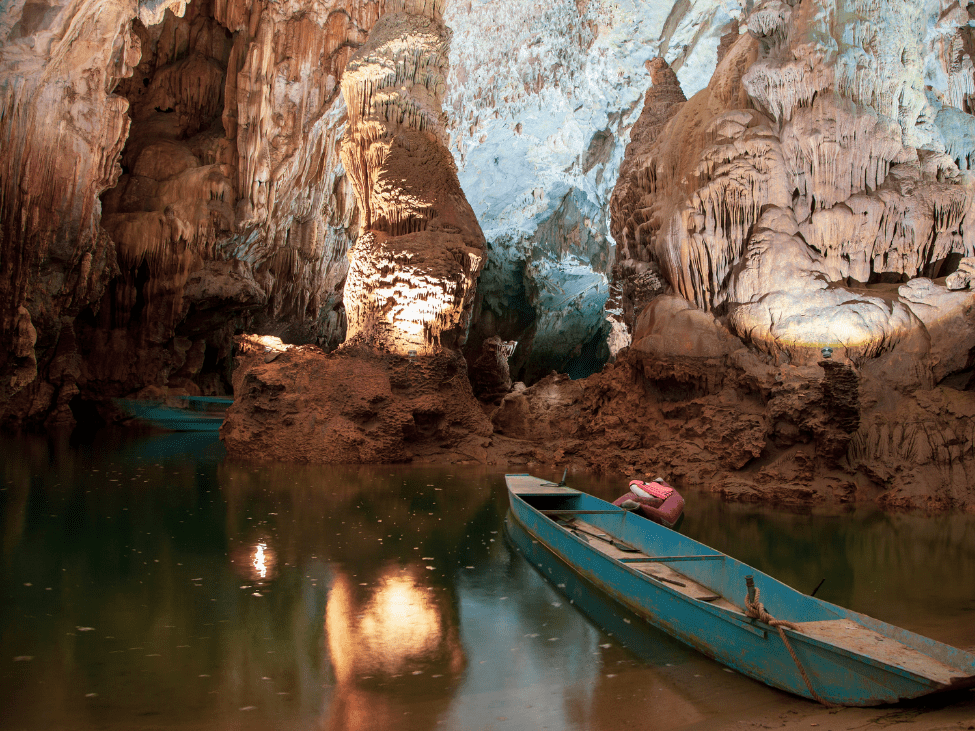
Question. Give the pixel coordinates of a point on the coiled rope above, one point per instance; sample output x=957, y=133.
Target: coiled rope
x=756, y=610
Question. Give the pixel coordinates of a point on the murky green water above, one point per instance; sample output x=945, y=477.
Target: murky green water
x=147, y=582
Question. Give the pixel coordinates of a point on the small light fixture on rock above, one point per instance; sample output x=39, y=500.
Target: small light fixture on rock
x=827, y=352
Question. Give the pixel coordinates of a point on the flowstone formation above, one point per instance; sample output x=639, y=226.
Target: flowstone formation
x=539, y=118
x=397, y=389
x=414, y=267
x=170, y=174
x=808, y=193
x=815, y=196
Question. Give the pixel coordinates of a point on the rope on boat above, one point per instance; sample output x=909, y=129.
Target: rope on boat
x=756, y=610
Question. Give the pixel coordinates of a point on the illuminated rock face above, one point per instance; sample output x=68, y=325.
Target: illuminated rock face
x=173, y=175
x=398, y=388
x=414, y=267
x=816, y=194
x=813, y=194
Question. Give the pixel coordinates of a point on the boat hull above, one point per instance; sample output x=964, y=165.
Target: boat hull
x=196, y=414
x=894, y=667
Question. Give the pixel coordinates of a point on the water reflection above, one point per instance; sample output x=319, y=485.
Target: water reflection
x=391, y=542
x=260, y=561
x=401, y=627
x=396, y=641
x=153, y=586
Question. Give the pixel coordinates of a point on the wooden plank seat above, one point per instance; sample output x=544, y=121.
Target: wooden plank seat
x=860, y=640
x=652, y=566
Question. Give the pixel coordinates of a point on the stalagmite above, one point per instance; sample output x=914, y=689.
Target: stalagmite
x=414, y=267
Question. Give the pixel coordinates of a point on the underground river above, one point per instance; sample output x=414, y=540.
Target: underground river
x=147, y=582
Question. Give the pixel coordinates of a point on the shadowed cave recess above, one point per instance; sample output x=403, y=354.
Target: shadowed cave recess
x=727, y=241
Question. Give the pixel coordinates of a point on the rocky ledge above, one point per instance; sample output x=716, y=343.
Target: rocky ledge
x=730, y=424
x=301, y=404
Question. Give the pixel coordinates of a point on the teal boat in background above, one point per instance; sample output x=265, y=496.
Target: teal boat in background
x=727, y=610
x=181, y=413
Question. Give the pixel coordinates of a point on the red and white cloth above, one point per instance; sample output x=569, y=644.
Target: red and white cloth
x=655, y=489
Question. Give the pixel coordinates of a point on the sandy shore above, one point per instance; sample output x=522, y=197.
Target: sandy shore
x=954, y=712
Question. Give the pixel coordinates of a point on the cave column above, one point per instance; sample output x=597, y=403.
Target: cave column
x=414, y=266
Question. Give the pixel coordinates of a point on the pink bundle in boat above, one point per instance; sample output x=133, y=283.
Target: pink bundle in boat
x=651, y=489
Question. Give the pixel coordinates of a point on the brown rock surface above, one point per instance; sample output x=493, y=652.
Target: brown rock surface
x=802, y=201
x=300, y=404
x=749, y=431
x=399, y=383
x=489, y=371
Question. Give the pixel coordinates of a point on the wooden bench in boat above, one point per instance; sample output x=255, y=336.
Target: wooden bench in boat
x=655, y=567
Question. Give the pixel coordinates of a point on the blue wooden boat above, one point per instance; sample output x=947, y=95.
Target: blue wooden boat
x=731, y=612
x=185, y=413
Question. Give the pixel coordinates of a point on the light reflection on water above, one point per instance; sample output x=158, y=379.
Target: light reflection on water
x=152, y=583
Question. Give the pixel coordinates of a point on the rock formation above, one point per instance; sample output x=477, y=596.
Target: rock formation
x=490, y=372
x=809, y=198
x=398, y=387
x=300, y=404
x=173, y=174
x=796, y=191
x=414, y=267
x=796, y=176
